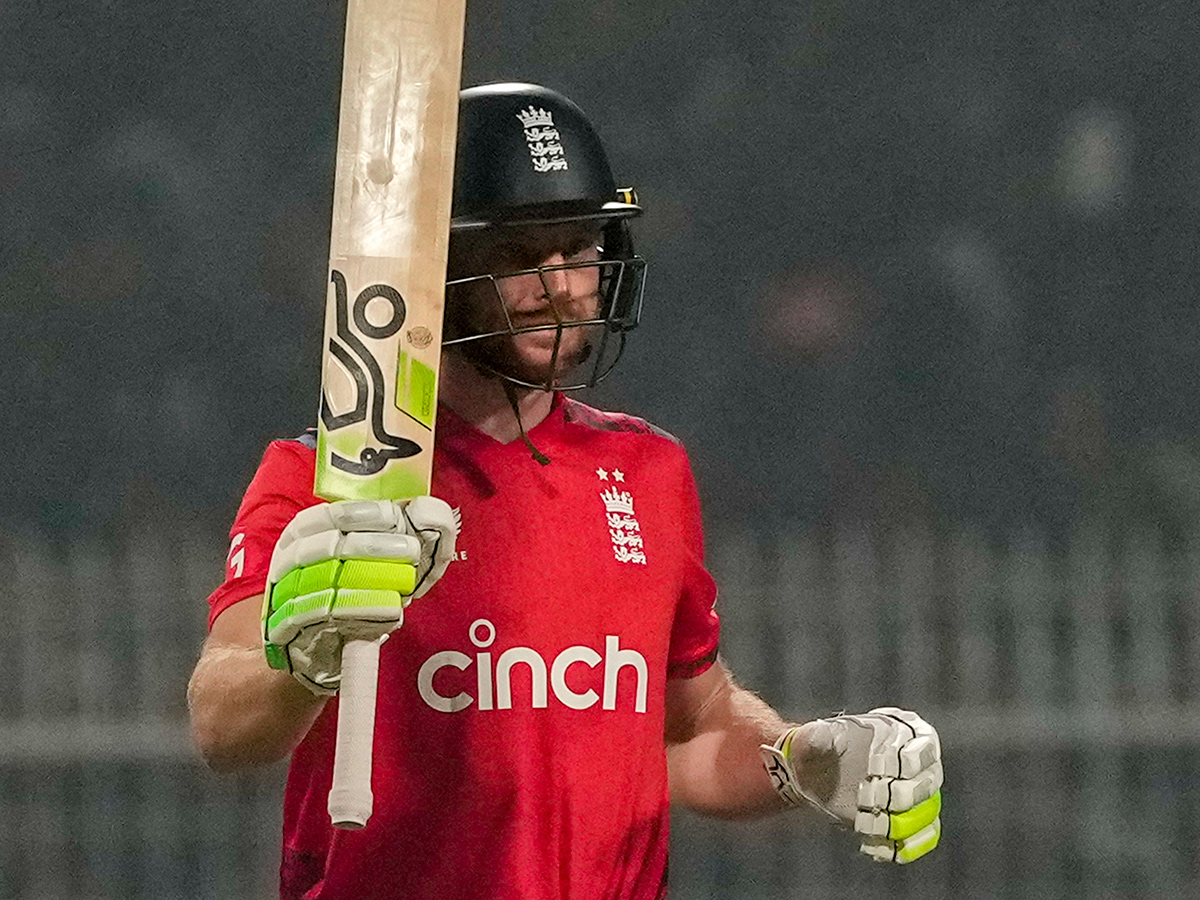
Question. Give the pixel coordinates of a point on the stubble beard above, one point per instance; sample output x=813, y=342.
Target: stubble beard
x=530, y=357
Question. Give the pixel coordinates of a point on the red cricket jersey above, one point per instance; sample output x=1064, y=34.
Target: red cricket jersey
x=519, y=735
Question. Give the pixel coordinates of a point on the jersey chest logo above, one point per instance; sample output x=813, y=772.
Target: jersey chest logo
x=493, y=676
x=623, y=526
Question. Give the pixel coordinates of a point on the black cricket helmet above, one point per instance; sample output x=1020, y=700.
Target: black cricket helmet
x=528, y=156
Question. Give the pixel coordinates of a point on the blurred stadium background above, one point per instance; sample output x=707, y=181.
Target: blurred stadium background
x=922, y=306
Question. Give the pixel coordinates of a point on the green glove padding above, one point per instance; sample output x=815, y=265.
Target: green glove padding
x=366, y=596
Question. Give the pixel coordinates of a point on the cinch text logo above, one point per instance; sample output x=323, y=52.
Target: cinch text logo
x=493, y=680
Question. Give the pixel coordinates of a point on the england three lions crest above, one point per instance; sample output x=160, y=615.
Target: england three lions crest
x=623, y=526
x=546, y=152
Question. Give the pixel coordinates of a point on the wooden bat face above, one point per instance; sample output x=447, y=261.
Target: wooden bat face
x=392, y=200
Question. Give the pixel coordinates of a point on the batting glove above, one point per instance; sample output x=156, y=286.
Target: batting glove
x=880, y=773
x=345, y=571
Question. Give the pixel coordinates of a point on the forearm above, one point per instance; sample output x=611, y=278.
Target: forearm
x=243, y=713
x=714, y=763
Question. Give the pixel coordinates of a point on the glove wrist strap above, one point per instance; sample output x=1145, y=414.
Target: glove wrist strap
x=777, y=758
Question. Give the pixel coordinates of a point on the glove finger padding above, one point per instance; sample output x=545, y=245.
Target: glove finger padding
x=345, y=571
x=906, y=850
x=879, y=772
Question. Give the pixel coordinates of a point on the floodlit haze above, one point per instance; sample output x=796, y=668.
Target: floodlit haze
x=1016, y=187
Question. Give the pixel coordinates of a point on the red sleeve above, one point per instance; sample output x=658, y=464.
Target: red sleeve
x=696, y=629
x=282, y=486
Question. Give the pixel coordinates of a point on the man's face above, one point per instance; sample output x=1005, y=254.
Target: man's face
x=542, y=297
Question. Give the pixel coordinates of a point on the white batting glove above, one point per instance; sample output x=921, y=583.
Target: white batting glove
x=345, y=571
x=880, y=773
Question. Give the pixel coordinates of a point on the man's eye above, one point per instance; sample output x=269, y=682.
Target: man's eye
x=588, y=249
x=514, y=258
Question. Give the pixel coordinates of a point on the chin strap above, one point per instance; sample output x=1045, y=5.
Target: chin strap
x=510, y=392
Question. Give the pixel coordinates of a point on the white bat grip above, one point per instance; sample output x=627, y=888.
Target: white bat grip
x=350, y=797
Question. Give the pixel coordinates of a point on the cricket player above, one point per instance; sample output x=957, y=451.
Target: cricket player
x=556, y=684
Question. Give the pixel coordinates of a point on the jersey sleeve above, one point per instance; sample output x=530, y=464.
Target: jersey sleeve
x=695, y=631
x=281, y=487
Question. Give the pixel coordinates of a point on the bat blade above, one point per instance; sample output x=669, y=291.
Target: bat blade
x=388, y=242
x=393, y=183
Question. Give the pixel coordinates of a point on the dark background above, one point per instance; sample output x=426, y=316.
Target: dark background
x=1013, y=187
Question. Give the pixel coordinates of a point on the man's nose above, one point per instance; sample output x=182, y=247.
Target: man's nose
x=555, y=281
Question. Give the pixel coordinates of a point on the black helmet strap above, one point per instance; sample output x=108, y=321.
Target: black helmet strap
x=510, y=391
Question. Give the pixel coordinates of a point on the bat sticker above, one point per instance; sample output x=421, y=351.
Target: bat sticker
x=367, y=375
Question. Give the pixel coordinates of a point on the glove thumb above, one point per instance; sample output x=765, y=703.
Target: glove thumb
x=437, y=525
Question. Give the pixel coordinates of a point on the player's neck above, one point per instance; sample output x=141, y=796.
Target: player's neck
x=481, y=400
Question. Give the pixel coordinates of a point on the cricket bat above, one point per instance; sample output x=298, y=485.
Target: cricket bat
x=393, y=182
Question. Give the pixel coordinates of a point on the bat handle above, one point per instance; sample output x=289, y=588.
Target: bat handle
x=350, y=797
